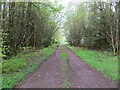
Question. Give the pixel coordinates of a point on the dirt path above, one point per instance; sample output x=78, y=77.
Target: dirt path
x=79, y=74
x=47, y=76
x=84, y=76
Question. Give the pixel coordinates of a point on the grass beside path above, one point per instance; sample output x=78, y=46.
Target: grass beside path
x=17, y=68
x=102, y=61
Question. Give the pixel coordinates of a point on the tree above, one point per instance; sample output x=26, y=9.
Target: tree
x=27, y=24
x=94, y=25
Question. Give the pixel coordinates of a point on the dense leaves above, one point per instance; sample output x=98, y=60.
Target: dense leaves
x=27, y=24
x=94, y=25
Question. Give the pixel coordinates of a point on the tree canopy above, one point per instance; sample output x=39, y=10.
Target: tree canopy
x=94, y=25
x=28, y=24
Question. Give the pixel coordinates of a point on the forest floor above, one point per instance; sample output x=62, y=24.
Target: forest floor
x=77, y=74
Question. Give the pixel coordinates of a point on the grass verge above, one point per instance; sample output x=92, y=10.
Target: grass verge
x=17, y=68
x=102, y=61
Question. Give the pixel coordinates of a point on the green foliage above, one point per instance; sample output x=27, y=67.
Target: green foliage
x=14, y=65
x=94, y=25
x=102, y=61
x=29, y=24
x=10, y=80
x=67, y=84
x=59, y=37
x=25, y=64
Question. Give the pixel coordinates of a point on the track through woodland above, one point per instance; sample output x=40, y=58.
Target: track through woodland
x=79, y=74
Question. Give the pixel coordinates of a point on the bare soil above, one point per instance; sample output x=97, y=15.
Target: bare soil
x=48, y=75
x=85, y=76
x=79, y=74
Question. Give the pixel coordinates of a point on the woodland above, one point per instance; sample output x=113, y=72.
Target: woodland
x=27, y=25
x=84, y=37
x=92, y=25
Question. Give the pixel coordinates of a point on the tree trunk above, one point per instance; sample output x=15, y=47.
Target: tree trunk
x=118, y=28
x=112, y=39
